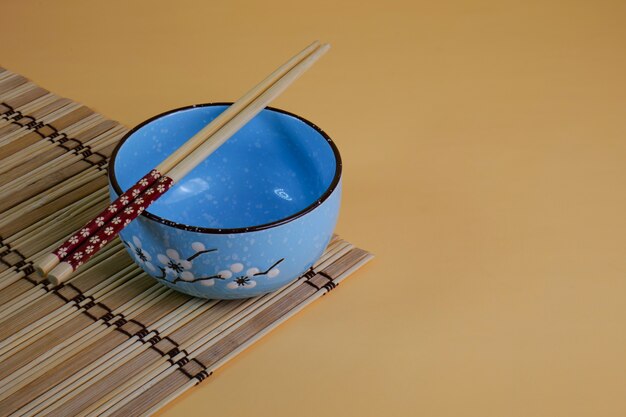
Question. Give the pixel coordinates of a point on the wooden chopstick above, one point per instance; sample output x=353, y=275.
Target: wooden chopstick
x=148, y=190
x=49, y=261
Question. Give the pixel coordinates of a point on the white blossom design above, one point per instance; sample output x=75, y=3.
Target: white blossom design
x=141, y=256
x=198, y=246
x=241, y=281
x=246, y=280
x=175, y=266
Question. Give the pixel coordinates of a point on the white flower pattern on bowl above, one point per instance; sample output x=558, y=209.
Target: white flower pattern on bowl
x=247, y=280
x=176, y=269
x=141, y=256
x=174, y=266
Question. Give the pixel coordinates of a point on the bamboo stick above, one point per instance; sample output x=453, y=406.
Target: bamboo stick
x=67, y=119
x=37, y=103
x=50, y=194
x=95, y=263
x=22, y=103
x=66, y=220
x=23, y=88
x=37, y=110
x=5, y=73
x=13, y=273
x=43, y=289
x=13, y=82
x=59, y=112
x=107, y=138
x=55, y=216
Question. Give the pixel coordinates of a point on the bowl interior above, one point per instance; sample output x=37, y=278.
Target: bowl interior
x=274, y=167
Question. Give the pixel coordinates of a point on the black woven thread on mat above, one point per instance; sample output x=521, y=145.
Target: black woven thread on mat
x=23, y=265
x=82, y=150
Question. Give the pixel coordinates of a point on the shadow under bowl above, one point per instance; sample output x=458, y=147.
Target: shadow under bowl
x=252, y=217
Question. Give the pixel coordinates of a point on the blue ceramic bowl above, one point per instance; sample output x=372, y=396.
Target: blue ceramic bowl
x=251, y=218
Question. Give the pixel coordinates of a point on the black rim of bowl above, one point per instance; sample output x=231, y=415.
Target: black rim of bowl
x=319, y=201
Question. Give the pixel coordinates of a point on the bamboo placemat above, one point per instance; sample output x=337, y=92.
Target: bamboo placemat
x=110, y=341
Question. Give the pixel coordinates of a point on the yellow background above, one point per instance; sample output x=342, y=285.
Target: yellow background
x=484, y=145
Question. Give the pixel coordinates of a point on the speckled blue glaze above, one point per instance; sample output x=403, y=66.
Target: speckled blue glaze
x=251, y=218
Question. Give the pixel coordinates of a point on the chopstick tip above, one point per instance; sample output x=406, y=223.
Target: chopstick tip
x=60, y=273
x=46, y=263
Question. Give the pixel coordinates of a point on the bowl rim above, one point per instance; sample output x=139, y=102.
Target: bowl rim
x=198, y=229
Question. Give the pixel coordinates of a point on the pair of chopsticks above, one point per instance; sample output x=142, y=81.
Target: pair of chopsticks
x=87, y=241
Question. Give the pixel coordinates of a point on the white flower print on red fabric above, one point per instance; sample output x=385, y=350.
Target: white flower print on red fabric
x=100, y=221
x=62, y=252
